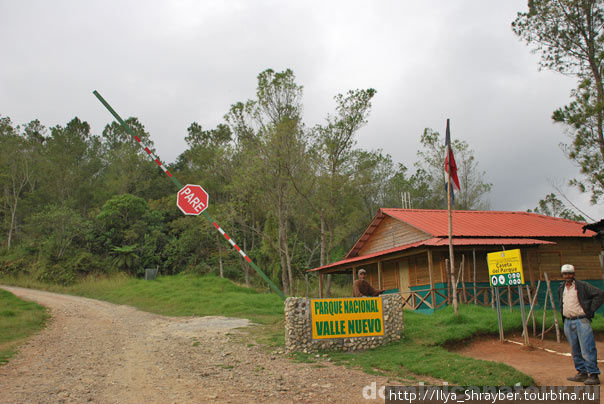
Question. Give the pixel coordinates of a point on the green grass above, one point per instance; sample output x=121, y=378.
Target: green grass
x=422, y=351
x=180, y=295
x=18, y=320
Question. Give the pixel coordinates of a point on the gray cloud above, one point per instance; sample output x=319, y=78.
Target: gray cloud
x=172, y=63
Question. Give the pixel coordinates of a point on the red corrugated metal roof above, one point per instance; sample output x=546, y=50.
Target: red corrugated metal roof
x=475, y=223
x=436, y=242
x=442, y=241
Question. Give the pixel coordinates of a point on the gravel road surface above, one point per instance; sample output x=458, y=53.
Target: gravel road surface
x=98, y=352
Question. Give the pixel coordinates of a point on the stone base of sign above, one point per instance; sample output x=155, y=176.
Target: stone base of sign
x=298, y=331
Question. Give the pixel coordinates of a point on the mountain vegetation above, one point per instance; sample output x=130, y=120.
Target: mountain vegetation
x=293, y=196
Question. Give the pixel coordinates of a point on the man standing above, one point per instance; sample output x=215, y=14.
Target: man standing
x=579, y=301
x=362, y=288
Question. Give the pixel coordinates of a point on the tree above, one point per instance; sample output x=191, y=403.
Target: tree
x=335, y=143
x=126, y=167
x=126, y=258
x=56, y=230
x=207, y=160
x=474, y=188
x=327, y=188
x=554, y=207
x=122, y=220
x=18, y=153
x=379, y=182
x=70, y=164
x=271, y=147
x=569, y=37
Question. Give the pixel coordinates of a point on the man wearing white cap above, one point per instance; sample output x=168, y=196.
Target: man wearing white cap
x=579, y=301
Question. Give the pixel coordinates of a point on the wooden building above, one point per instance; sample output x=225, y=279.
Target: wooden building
x=404, y=251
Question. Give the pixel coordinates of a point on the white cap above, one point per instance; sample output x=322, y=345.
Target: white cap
x=362, y=270
x=567, y=269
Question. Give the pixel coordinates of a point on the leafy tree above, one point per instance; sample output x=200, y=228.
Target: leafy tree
x=207, y=160
x=70, y=165
x=474, y=189
x=554, y=207
x=569, y=37
x=335, y=143
x=127, y=225
x=379, y=182
x=57, y=230
x=127, y=169
x=189, y=246
x=126, y=258
x=122, y=220
x=35, y=132
x=271, y=149
x=18, y=155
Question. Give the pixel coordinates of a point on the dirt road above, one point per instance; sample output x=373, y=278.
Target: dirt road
x=98, y=352
x=93, y=351
x=548, y=362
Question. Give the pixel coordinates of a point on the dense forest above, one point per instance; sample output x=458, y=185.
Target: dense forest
x=293, y=196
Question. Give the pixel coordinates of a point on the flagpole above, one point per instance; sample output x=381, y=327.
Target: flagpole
x=451, y=256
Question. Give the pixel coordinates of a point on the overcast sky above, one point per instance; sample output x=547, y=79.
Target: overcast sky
x=173, y=63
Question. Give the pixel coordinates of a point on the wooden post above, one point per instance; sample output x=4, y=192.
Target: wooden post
x=551, y=299
x=449, y=202
x=532, y=303
x=492, y=297
x=463, y=281
x=544, y=311
x=320, y=285
x=510, y=297
x=433, y=298
x=499, y=322
x=448, y=270
x=354, y=274
x=379, y=267
x=474, y=265
x=524, y=320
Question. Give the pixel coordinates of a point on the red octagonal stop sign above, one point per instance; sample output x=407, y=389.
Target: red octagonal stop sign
x=192, y=199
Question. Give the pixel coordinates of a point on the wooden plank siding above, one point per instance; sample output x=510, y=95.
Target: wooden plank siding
x=583, y=253
x=372, y=275
x=392, y=233
x=390, y=275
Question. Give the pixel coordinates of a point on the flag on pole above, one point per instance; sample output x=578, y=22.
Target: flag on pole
x=450, y=165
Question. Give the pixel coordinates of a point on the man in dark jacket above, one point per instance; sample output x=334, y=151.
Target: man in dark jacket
x=362, y=288
x=579, y=301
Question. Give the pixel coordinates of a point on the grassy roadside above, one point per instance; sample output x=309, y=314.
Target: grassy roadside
x=422, y=351
x=18, y=321
x=180, y=295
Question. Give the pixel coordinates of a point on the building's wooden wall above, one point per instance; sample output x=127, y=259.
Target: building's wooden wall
x=372, y=275
x=582, y=253
x=418, y=270
x=390, y=275
x=391, y=233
